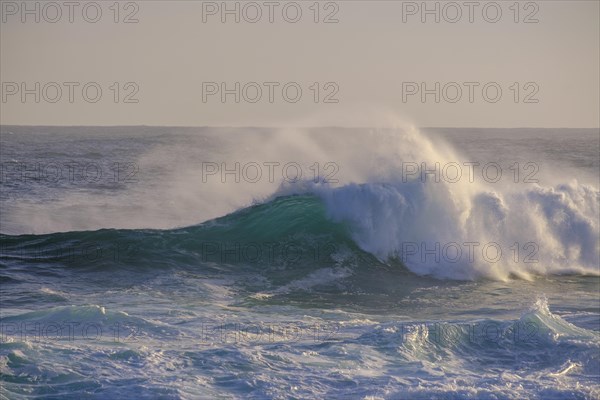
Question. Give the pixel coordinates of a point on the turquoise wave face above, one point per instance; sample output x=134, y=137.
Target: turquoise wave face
x=289, y=234
x=279, y=251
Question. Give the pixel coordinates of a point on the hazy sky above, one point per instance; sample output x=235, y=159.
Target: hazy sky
x=375, y=61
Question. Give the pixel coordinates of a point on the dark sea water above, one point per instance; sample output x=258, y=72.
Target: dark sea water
x=209, y=263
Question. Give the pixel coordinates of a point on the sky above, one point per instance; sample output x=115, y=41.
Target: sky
x=340, y=63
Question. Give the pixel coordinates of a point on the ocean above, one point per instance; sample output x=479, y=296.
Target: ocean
x=299, y=263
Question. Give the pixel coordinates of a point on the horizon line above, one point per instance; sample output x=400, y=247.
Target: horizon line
x=284, y=127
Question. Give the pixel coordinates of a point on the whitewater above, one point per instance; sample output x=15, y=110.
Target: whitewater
x=375, y=263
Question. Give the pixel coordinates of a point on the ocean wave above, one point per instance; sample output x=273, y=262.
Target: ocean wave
x=375, y=213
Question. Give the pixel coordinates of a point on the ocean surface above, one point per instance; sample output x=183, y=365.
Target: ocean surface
x=330, y=263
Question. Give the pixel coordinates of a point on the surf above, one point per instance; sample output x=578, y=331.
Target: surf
x=377, y=209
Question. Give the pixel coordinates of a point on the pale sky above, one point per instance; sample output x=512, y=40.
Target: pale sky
x=367, y=61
